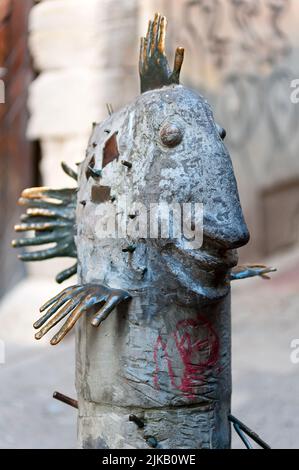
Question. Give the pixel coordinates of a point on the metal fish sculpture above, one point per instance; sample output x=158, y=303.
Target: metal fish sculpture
x=163, y=358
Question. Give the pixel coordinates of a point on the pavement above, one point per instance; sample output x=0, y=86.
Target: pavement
x=265, y=319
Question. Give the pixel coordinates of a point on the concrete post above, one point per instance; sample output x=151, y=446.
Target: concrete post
x=157, y=373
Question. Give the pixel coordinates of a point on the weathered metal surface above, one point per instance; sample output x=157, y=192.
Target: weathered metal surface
x=75, y=301
x=164, y=356
x=154, y=69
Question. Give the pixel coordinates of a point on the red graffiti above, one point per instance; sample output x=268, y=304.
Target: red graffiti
x=191, y=349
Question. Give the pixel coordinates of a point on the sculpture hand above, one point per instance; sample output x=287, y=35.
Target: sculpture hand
x=251, y=270
x=154, y=69
x=50, y=214
x=77, y=300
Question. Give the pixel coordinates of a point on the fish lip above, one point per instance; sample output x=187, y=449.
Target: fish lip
x=215, y=262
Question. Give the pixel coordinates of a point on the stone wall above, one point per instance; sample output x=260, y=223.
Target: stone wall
x=85, y=53
x=16, y=153
x=82, y=50
x=243, y=55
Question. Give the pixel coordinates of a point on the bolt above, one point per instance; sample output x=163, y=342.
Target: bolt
x=136, y=420
x=129, y=249
x=126, y=163
x=95, y=173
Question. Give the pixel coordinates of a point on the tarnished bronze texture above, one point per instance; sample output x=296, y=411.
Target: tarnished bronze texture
x=251, y=270
x=76, y=301
x=154, y=69
x=50, y=215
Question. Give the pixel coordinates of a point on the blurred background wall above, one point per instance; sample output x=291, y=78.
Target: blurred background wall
x=241, y=54
x=18, y=156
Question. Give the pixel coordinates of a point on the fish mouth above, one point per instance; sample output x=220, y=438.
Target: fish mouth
x=213, y=270
x=211, y=260
x=203, y=272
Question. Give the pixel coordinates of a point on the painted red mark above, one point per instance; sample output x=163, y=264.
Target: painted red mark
x=193, y=347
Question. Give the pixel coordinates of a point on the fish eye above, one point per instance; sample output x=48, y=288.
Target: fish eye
x=222, y=131
x=171, y=134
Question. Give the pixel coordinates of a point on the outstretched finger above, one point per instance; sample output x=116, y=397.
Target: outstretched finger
x=73, y=318
x=178, y=61
x=53, y=309
x=41, y=226
x=66, y=309
x=62, y=195
x=67, y=273
x=62, y=213
x=162, y=35
x=33, y=241
x=155, y=30
x=111, y=303
x=34, y=193
x=51, y=301
x=40, y=255
x=149, y=37
x=25, y=201
x=265, y=276
x=29, y=219
x=142, y=55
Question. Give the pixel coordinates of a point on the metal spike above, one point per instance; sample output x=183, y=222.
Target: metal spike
x=137, y=421
x=64, y=399
x=109, y=108
x=129, y=249
x=126, y=163
x=94, y=173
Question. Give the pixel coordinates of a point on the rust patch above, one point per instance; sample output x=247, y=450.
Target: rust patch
x=110, y=151
x=100, y=194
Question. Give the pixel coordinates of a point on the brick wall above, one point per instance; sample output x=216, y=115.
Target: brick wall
x=16, y=156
